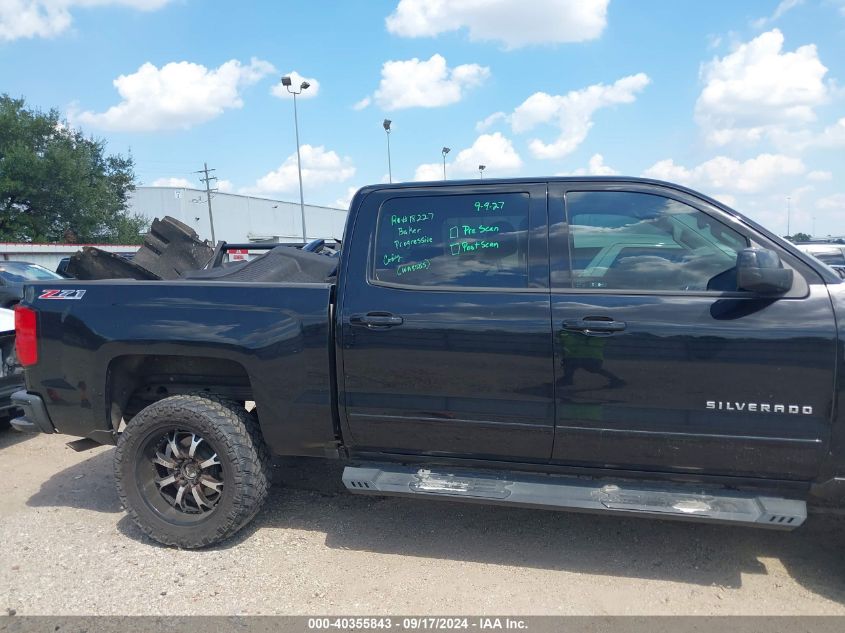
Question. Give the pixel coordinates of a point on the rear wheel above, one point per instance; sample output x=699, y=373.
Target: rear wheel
x=191, y=471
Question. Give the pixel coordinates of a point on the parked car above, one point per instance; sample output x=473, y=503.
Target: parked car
x=13, y=275
x=11, y=375
x=609, y=345
x=831, y=254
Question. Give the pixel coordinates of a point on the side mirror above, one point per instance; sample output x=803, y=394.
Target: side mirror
x=761, y=271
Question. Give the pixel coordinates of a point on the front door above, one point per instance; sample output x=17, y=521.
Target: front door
x=446, y=337
x=661, y=365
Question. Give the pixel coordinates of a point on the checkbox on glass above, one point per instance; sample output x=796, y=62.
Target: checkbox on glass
x=453, y=233
x=456, y=248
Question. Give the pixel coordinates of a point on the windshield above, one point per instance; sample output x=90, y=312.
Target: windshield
x=18, y=272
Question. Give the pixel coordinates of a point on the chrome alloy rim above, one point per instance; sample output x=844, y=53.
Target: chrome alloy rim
x=187, y=472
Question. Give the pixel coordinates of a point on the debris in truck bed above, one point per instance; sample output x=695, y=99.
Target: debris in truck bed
x=170, y=249
x=283, y=263
x=94, y=263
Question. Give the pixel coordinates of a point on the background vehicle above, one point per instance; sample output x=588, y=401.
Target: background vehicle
x=831, y=254
x=593, y=344
x=11, y=374
x=13, y=275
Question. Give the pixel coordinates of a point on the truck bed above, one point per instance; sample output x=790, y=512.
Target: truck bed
x=116, y=342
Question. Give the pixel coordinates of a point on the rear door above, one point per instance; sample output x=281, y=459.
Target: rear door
x=661, y=365
x=446, y=344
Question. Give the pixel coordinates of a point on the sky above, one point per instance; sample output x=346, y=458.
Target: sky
x=743, y=101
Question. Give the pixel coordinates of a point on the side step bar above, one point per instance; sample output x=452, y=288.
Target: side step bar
x=554, y=492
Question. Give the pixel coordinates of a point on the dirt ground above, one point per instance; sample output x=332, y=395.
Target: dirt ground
x=67, y=548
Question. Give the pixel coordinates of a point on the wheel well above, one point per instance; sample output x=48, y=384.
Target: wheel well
x=138, y=380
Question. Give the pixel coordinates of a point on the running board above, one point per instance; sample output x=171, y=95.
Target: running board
x=553, y=492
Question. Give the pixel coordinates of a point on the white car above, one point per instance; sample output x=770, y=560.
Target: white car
x=11, y=378
x=831, y=254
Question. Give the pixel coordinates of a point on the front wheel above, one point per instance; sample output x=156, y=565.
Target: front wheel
x=191, y=471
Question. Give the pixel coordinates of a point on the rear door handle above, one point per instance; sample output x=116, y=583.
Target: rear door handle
x=376, y=320
x=594, y=326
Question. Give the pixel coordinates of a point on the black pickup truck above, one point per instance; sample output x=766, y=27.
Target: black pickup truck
x=607, y=345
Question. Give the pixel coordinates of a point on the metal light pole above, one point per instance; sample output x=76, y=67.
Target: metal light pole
x=444, y=151
x=481, y=169
x=386, y=126
x=788, y=216
x=286, y=82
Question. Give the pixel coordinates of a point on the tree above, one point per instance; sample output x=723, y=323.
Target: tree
x=56, y=185
x=799, y=237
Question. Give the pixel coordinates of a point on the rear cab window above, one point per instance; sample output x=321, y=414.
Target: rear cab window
x=463, y=241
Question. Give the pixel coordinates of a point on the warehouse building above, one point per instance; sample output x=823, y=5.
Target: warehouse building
x=238, y=218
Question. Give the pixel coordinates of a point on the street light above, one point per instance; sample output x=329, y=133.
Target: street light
x=386, y=125
x=286, y=82
x=481, y=169
x=788, y=215
x=444, y=151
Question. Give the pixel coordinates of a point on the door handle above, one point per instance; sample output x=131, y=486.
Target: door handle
x=376, y=320
x=594, y=326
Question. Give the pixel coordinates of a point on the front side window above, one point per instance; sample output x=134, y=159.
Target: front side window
x=461, y=240
x=640, y=241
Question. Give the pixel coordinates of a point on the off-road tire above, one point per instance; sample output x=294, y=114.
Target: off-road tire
x=250, y=421
x=244, y=464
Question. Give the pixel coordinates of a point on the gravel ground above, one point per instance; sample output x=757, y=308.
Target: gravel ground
x=67, y=548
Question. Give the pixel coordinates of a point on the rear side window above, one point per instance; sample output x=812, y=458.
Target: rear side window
x=460, y=240
x=639, y=241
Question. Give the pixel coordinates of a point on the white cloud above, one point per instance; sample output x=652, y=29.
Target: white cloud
x=493, y=150
x=430, y=171
x=819, y=176
x=344, y=201
x=178, y=95
x=49, y=18
x=572, y=113
x=225, y=186
x=363, y=103
x=280, y=91
x=836, y=202
x=426, y=84
x=319, y=167
x=511, y=22
x=780, y=10
x=174, y=182
x=488, y=122
x=833, y=135
x=595, y=167
x=760, y=91
x=725, y=198
x=727, y=174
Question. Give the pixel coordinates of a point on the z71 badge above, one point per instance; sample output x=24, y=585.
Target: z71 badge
x=62, y=294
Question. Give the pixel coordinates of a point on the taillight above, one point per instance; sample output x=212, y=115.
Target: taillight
x=26, y=339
